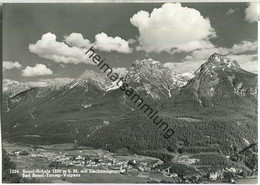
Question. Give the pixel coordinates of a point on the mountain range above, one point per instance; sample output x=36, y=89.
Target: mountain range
x=213, y=108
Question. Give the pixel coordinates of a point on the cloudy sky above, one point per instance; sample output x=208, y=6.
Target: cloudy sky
x=47, y=42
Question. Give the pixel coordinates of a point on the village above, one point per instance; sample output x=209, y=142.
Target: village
x=91, y=164
x=108, y=164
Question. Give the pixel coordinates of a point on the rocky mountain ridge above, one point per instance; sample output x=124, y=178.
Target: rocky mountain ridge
x=216, y=107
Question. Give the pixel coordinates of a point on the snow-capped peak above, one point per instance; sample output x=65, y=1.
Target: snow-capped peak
x=13, y=87
x=146, y=64
x=216, y=62
x=148, y=70
x=90, y=76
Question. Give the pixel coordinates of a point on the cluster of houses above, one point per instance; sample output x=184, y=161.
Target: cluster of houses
x=108, y=164
x=104, y=162
x=227, y=175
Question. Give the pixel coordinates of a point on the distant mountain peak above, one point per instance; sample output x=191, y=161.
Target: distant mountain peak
x=13, y=87
x=154, y=78
x=222, y=61
x=148, y=69
x=216, y=55
x=146, y=65
x=220, y=78
x=216, y=62
x=148, y=61
x=90, y=76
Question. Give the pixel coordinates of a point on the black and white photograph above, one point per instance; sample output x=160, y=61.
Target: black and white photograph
x=130, y=92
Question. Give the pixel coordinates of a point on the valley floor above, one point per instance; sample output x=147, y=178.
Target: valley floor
x=66, y=164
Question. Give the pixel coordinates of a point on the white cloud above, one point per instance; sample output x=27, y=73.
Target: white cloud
x=7, y=65
x=205, y=53
x=105, y=43
x=251, y=12
x=131, y=41
x=231, y=11
x=183, y=67
x=57, y=81
x=77, y=40
x=37, y=70
x=246, y=62
x=172, y=28
x=243, y=47
x=59, y=52
x=240, y=48
x=238, y=52
x=37, y=84
x=170, y=65
x=50, y=82
x=74, y=47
